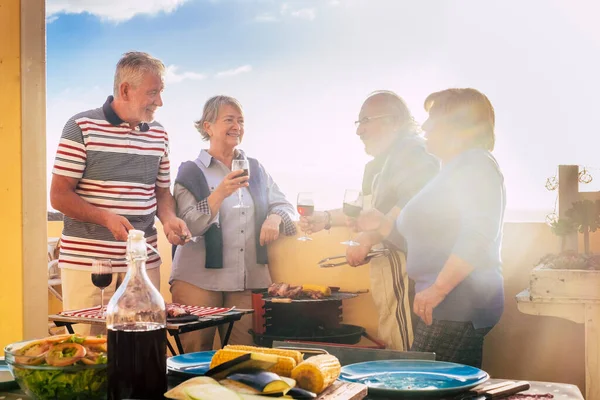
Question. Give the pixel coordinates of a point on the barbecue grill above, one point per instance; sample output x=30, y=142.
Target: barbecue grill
x=305, y=319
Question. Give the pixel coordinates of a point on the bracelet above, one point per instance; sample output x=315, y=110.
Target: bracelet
x=328, y=223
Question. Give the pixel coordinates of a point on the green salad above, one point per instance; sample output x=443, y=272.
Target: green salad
x=65, y=367
x=63, y=384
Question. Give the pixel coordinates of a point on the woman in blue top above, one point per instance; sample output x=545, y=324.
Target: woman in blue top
x=453, y=230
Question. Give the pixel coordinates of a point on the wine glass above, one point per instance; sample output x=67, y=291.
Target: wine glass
x=306, y=207
x=101, y=277
x=353, y=205
x=245, y=165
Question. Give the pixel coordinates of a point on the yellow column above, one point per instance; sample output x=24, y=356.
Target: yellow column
x=23, y=271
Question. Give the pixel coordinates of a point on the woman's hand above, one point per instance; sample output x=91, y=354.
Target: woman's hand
x=270, y=229
x=314, y=223
x=426, y=300
x=231, y=183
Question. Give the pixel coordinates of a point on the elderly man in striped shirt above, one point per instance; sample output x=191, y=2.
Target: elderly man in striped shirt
x=112, y=174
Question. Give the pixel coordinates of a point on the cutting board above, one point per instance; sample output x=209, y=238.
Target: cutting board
x=344, y=391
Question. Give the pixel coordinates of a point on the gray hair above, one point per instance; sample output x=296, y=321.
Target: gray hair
x=132, y=67
x=211, y=112
x=398, y=107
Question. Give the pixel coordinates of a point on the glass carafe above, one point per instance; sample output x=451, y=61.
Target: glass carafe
x=136, y=323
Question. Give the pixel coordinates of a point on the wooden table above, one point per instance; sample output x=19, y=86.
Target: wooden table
x=337, y=391
x=584, y=311
x=560, y=391
x=174, y=329
x=354, y=391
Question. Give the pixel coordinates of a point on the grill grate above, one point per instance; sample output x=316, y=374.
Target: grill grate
x=335, y=296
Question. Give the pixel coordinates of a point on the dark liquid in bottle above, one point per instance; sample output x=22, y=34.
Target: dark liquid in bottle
x=352, y=210
x=245, y=173
x=137, y=362
x=305, y=211
x=101, y=280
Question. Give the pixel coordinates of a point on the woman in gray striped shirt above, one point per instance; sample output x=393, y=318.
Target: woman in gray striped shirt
x=228, y=256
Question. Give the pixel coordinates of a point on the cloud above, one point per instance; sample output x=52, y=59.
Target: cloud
x=172, y=76
x=112, y=10
x=51, y=19
x=235, y=71
x=266, y=17
x=308, y=14
x=305, y=13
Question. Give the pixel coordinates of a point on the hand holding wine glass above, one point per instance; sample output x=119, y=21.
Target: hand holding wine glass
x=314, y=223
x=244, y=165
x=231, y=184
x=353, y=205
x=306, y=207
x=101, y=277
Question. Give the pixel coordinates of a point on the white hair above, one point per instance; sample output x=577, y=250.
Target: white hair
x=132, y=67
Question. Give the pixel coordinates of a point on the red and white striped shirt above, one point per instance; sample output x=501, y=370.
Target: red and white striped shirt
x=118, y=169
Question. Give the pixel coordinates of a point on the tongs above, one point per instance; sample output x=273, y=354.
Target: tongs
x=329, y=261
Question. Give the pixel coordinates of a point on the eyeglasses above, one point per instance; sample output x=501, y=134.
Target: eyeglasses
x=365, y=120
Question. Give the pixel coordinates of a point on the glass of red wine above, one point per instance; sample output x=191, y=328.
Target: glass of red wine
x=244, y=165
x=353, y=205
x=306, y=207
x=101, y=278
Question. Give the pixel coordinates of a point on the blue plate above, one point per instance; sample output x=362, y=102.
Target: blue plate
x=413, y=377
x=191, y=363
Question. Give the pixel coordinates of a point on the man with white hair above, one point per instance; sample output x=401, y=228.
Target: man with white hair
x=400, y=168
x=112, y=174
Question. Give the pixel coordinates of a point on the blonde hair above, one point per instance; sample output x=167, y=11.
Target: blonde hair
x=466, y=110
x=211, y=112
x=132, y=67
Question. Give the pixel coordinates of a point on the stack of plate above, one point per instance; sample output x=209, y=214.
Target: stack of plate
x=413, y=377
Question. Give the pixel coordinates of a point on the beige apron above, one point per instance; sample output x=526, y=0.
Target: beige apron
x=389, y=288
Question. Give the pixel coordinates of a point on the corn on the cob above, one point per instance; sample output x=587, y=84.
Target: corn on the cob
x=283, y=366
x=316, y=373
x=326, y=290
x=296, y=355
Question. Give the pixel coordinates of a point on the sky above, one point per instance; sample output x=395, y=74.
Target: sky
x=302, y=68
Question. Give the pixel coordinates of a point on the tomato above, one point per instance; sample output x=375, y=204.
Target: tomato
x=64, y=354
x=57, y=338
x=97, y=348
x=94, y=340
x=90, y=359
x=94, y=356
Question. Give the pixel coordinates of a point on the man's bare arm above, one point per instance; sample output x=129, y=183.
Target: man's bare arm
x=64, y=199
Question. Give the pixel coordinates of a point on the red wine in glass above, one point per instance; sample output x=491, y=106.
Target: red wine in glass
x=244, y=165
x=101, y=278
x=101, y=281
x=352, y=210
x=306, y=210
x=352, y=206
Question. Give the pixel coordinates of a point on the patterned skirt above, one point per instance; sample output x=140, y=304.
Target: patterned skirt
x=452, y=341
